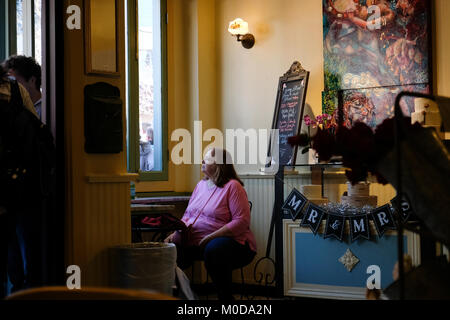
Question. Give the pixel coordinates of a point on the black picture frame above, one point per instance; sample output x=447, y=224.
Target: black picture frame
x=295, y=75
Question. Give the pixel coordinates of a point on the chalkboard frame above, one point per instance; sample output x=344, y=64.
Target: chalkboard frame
x=295, y=73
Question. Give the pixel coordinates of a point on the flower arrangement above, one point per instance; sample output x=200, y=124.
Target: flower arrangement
x=360, y=147
x=322, y=122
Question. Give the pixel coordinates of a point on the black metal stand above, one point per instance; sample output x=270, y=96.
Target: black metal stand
x=399, y=133
x=267, y=279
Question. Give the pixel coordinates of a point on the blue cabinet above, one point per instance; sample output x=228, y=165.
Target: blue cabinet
x=312, y=267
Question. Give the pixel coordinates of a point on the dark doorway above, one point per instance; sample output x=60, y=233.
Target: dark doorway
x=36, y=28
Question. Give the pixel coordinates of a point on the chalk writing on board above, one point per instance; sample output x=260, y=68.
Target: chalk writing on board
x=287, y=123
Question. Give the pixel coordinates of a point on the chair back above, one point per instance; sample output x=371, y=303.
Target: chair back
x=63, y=293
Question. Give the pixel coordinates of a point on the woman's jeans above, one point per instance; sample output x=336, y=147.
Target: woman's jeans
x=221, y=256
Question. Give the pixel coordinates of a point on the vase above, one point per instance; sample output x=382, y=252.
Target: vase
x=313, y=157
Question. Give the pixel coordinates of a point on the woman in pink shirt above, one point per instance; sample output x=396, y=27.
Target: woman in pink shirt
x=219, y=214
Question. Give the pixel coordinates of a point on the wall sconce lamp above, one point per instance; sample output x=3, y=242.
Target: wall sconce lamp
x=239, y=28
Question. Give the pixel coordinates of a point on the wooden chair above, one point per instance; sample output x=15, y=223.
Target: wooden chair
x=241, y=269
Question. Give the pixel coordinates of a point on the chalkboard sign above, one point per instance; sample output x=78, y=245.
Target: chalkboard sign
x=288, y=114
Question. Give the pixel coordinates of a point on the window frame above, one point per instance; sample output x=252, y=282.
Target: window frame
x=8, y=29
x=133, y=154
x=3, y=30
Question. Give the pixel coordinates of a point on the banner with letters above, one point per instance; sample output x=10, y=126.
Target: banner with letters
x=297, y=206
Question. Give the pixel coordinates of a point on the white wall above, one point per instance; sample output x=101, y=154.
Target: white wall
x=247, y=80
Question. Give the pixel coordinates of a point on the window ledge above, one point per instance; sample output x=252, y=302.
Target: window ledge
x=112, y=178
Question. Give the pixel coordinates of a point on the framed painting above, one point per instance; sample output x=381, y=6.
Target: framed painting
x=373, y=105
x=101, y=43
x=371, y=44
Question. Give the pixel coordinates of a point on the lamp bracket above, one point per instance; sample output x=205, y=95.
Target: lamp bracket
x=247, y=40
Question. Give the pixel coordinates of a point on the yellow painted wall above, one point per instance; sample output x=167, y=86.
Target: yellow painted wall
x=192, y=84
x=98, y=214
x=442, y=48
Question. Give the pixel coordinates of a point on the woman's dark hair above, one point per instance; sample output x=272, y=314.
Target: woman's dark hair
x=224, y=168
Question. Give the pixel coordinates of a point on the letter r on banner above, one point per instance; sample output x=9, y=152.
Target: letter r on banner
x=382, y=218
x=312, y=217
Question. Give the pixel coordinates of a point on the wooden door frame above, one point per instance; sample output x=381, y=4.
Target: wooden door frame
x=53, y=24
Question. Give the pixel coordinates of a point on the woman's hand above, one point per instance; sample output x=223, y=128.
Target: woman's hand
x=222, y=232
x=169, y=239
x=205, y=241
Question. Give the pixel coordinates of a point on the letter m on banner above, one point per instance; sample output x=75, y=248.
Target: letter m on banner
x=294, y=204
x=359, y=227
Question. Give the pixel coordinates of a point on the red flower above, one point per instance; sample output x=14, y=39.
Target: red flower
x=356, y=146
x=360, y=148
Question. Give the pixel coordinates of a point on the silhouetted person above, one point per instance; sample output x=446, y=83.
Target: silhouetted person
x=20, y=198
x=28, y=73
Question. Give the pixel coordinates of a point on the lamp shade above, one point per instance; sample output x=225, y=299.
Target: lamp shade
x=238, y=27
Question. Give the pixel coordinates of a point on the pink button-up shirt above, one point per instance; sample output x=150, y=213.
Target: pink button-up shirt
x=222, y=206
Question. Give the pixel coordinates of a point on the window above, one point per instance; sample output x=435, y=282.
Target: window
x=147, y=89
x=28, y=28
x=37, y=31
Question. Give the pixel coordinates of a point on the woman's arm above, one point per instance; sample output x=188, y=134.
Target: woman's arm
x=239, y=209
x=222, y=232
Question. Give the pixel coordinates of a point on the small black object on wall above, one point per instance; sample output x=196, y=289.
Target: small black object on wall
x=103, y=125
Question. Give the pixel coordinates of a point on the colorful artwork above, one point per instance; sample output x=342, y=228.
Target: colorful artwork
x=372, y=106
x=381, y=46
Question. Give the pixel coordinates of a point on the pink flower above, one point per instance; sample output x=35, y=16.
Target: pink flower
x=307, y=120
x=319, y=119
